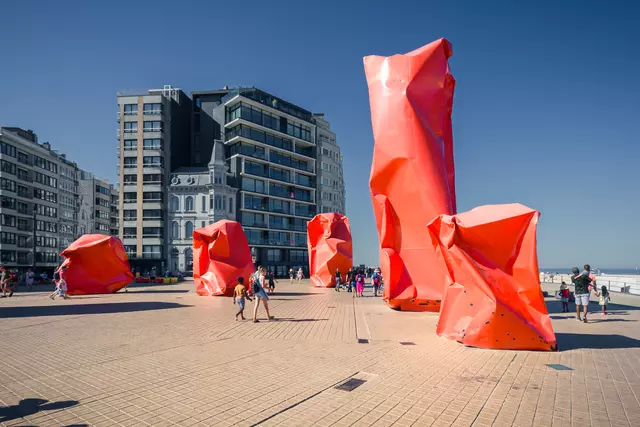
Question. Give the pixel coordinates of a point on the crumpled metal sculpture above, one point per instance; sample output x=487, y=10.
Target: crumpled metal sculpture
x=493, y=297
x=220, y=255
x=330, y=248
x=96, y=264
x=412, y=176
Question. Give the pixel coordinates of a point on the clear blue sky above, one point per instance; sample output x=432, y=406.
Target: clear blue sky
x=546, y=110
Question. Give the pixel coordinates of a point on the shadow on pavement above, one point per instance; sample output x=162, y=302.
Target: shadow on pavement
x=28, y=407
x=291, y=319
x=295, y=294
x=555, y=306
x=153, y=291
x=567, y=341
x=69, y=310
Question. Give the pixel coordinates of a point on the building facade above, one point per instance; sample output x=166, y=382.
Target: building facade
x=29, y=205
x=94, y=197
x=113, y=208
x=154, y=139
x=68, y=202
x=198, y=196
x=331, y=189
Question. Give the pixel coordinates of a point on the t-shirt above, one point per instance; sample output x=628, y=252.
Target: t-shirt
x=582, y=282
x=239, y=291
x=3, y=275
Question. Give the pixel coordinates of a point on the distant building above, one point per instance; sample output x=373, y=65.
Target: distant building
x=331, y=188
x=114, y=210
x=94, y=196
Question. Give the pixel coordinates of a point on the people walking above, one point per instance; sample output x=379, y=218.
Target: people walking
x=291, y=275
x=376, y=278
x=272, y=282
x=338, y=280
x=360, y=283
x=583, y=284
x=5, y=282
x=239, y=296
x=29, y=279
x=300, y=275
x=257, y=288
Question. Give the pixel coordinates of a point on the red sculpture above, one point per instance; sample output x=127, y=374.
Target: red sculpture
x=330, y=248
x=220, y=255
x=493, y=297
x=96, y=264
x=412, y=176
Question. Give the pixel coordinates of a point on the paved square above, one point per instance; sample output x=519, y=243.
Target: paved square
x=162, y=355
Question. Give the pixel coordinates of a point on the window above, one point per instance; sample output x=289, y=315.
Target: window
x=130, y=214
x=102, y=214
x=130, y=250
x=129, y=231
x=51, y=227
x=46, y=211
x=102, y=190
x=130, y=197
x=130, y=109
x=325, y=151
x=153, y=178
x=152, y=161
x=152, y=108
x=218, y=203
x=175, y=204
x=260, y=136
x=152, y=251
x=152, y=196
x=130, y=179
x=175, y=230
x=25, y=224
x=224, y=203
x=8, y=238
x=8, y=167
x=274, y=255
x=230, y=205
x=188, y=203
x=210, y=202
x=7, y=184
x=299, y=131
x=102, y=202
x=251, y=219
x=7, y=149
x=8, y=256
x=8, y=202
x=279, y=206
x=130, y=144
x=255, y=185
x=130, y=162
x=24, y=158
x=188, y=230
x=325, y=181
x=255, y=203
x=152, y=126
x=152, y=214
x=45, y=180
x=46, y=242
x=151, y=231
x=203, y=200
x=280, y=174
x=298, y=256
x=203, y=224
x=279, y=222
x=152, y=144
x=102, y=227
x=254, y=168
x=326, y=167
x=130, y=127
x=217, y=178
x=23, y=208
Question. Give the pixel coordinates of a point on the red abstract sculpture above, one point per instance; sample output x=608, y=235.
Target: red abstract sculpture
x=412, y=176
x=96, y=264
x=493, y=297
x=330, y=248
x=220, y=255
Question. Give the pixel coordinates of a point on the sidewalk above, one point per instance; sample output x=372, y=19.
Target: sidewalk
x=162, y=355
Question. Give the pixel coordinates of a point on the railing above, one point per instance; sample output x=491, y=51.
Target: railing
x=619, y=284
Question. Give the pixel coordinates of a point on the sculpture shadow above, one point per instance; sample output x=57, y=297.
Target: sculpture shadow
x=567, y=341
x=154, y=291
x=79, y=309
x=28, y=407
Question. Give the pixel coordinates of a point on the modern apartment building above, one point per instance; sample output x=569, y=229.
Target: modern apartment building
x=68, y=202
x=154, y=139
x=331, y=188
x=29, y=206
x=95, y=204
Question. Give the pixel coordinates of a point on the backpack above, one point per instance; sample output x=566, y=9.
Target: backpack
x=255, y=284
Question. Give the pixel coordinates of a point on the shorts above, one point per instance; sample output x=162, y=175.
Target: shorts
x=604, y=301
x=582, y=299
x=564, y=299
x=240, y=302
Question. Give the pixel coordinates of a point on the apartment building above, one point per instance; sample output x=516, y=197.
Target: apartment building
x=29, y=208
x=94, y=196
x=68, y=202
x=331, y=188
x=153, y=139
x=113, y=211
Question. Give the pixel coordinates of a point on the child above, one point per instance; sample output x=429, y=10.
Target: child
x=605, y=297
x=239, y=295
x=376, y=282
x=564, y=297
x=272, y=281
x=360, y=283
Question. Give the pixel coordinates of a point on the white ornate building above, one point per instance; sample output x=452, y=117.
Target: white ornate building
x=198, y=196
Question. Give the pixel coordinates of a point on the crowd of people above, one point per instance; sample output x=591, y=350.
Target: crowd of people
x=585, y=283
x=355, y=280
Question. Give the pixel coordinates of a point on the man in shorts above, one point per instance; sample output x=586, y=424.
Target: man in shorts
x=583, y=282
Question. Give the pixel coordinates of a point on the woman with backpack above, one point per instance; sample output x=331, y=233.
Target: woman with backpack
x=359, y=283
x=257, y=288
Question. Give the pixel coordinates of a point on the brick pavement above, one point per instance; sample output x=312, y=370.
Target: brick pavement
x=162, y=355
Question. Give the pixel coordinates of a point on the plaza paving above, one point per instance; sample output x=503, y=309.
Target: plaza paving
x=162, y=355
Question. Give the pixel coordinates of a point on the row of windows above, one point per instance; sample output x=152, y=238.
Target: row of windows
x=102, y=190
x=132, y=214
x=51, y=227
x=46, y=242
x=147, y=161
x=23, y=257
x=102, y=214
x=260, y=136
x=132, y=109
x=147, y=144
x=275, y=238
x=148, y=126
x=8, y=167
x=45, y=164
x=45, y=180
x=7, y=149
x=49, y=196
x=154, y=178
x=7, y=184
x=147, y=196
x=46, y=211
x=102, y=227
x=268, y=120
x=330, y=153
x=102, y=202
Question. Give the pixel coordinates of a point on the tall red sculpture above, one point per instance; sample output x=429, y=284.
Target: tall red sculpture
x=493, y=297
x=96, y=264
x=220, y=255
x=330, y=248
x=412, y=176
